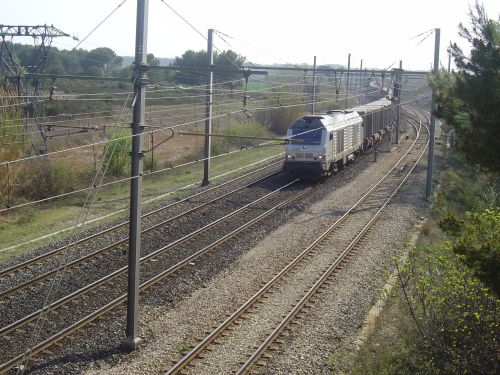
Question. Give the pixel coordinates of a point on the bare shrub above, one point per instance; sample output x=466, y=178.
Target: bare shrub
x=285, y=109
x=12, y=145
x=42, y=178
x=221, y=145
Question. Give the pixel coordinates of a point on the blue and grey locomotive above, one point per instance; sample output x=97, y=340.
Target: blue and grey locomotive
x=318, y=144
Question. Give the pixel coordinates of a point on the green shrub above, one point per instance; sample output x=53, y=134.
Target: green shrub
x=286, y=108
x=42, y=178
x=460, y=190
x=466, y=188
x=278, y=120
x=478, y=241
x=12, y=146
x=116, y=155
x=467, y=207
x=441, y=320
x=222, y=145
x=455, y=327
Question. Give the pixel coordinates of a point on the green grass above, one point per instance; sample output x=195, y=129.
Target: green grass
x=34, y=222
x=258, y=86
x=192, y=173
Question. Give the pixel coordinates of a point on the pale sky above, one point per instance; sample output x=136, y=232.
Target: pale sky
x=266, y=32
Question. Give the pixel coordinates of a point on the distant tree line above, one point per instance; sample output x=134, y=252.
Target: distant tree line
x=104, y=62
x=198, y=59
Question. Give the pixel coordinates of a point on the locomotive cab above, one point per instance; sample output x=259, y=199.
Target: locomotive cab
x=316, y=144
x=306, y=151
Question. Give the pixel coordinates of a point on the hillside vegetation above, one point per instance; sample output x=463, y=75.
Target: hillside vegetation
x=443, y=317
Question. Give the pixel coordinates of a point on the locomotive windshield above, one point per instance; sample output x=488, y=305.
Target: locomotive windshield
x=307, y=131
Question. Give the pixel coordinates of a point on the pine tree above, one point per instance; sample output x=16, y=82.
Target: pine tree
x=469, y=99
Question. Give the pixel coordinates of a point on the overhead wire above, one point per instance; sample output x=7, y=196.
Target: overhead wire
x=131, y=136
x=199, y=33
x=166, y=111
x=234, y=91
x=82, y=217
x=99, y=24
x=191, y=104
x=183, y=124
x=168, y=88
x=86, y=37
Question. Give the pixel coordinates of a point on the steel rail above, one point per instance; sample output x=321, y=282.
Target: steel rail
x=110, y=306
x=144, y=286
x=98, y=252
x=123, y=270
x=245, y=368
x=5, y=272
x=200, y=347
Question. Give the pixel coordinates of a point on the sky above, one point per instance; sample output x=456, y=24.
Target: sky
x=266, y=32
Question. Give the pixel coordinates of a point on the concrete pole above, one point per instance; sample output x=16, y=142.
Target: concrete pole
x=208, y=109
x=347, y=79
x=360, y=81
x=398, y=110
x=430, y=159
x=132, y=339
x=314, y=87
x=449, y=63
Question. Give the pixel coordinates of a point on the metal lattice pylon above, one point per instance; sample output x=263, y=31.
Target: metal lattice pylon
x=27, y=92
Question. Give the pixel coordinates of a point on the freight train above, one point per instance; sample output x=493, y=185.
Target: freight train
x=317, y=145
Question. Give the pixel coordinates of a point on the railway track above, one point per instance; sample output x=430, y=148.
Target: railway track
x=185, y=207
x=148, y=220
x=46, y=326
x=157, y=273
x=248, y=335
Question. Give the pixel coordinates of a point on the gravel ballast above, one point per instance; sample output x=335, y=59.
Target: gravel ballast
x=176, y=316
x=183, y=309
